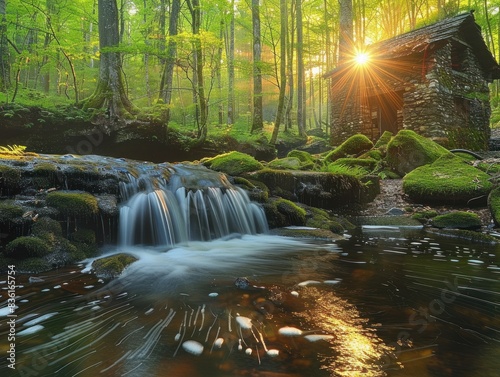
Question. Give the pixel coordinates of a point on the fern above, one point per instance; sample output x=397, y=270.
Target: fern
x=15, y=150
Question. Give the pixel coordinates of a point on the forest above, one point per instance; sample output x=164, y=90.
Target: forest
x=203, y=65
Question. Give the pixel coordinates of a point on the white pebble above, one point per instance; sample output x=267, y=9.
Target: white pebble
x=192, y=346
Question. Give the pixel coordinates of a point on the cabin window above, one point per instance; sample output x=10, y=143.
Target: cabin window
x=458, y=56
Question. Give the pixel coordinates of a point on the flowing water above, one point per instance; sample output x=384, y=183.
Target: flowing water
x=214, y=294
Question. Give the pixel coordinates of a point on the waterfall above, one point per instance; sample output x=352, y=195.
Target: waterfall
x=192, y=203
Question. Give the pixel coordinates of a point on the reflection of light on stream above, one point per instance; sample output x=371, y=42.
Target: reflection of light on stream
x=179, y=313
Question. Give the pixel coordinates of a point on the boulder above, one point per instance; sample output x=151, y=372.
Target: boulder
x=353, y=146
x=408, y=150
x=457, y=220
x=494, y=205
x=449, y=180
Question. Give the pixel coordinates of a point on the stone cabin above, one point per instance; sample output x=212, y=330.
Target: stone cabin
x=432, y=80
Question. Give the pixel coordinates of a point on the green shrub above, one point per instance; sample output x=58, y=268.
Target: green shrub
x=77, y=204
x=233, y=163
x=449, y=180
x=353, y=146
x=27, y=247
x=457, y=220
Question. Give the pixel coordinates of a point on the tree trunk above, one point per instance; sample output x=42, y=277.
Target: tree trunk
x=301, y=83
x=110, y=91
x=4, y=50
x=257, y=121
x=166, y=84
x=199, y=86
x=291, y=86
x=282, y=82
x=346, y=30
x=230, y=69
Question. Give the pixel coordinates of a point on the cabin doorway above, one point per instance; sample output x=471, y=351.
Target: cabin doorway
x=386, y=112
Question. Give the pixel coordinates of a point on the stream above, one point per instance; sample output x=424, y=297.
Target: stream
x=384, y=302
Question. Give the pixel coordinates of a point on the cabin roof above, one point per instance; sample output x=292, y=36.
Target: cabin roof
x=461, y=28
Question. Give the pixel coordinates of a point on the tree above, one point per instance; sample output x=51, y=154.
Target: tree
x=168, y=73
x=110, y=91
x=230, y=67
x=257, y=120
x=4, y=50
x=301, y=84
x=346, y=29
x=282, y=80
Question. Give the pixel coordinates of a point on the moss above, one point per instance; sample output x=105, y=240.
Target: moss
x=457, y=220
x=45, y=175
x=46, y=225
x=9, y=210
x=85, y=242
x=353, y=146
x=492, y=168
x=275, y=219
x=27, y=247
x=449, y=180
x=233, y=163
x=303, y=156
x=469, y=235
x=33, y=266
x=9, y=177
x=408, y=150
x=112, y=266
x=375, y=154
x=494, y=205
x=77, y=204
x=295, y=214
x=291, y=163
x=424, y=216
x=384, y=139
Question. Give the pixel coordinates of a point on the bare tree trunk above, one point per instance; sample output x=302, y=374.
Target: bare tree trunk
x=282, y=82
x=110, y=90
x=4, y=50
x=291, y=86
x=257, y=121
x=199, y=89
x=346, y=30
x=301, y=84
x=230, y=69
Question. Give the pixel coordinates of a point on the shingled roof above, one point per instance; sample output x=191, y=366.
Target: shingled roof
x=460, y=28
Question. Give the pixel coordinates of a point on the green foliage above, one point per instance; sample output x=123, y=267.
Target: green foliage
x=449, y=180
x=353, y=171
x=12, y=150
x=27, y=247
x=77, y=204
x=234, y=163
x=457, y=220
x=353, y=146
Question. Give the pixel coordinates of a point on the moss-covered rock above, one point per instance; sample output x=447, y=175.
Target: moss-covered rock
x=449, y=180
x=33, y=265
x=384, y=139
x=408, y=150
x=291, y=163
x=27, y=247
x=494, y=205
x=353, y=146
x=424, y=216
x=112, y=266
x=233, y=163
x=73, y=204
x=303, y=156
x=457, y=220
x=9, y=210
x=295, y=214
x=10, y=180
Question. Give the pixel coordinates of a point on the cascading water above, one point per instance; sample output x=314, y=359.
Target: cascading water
x=192, y=204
